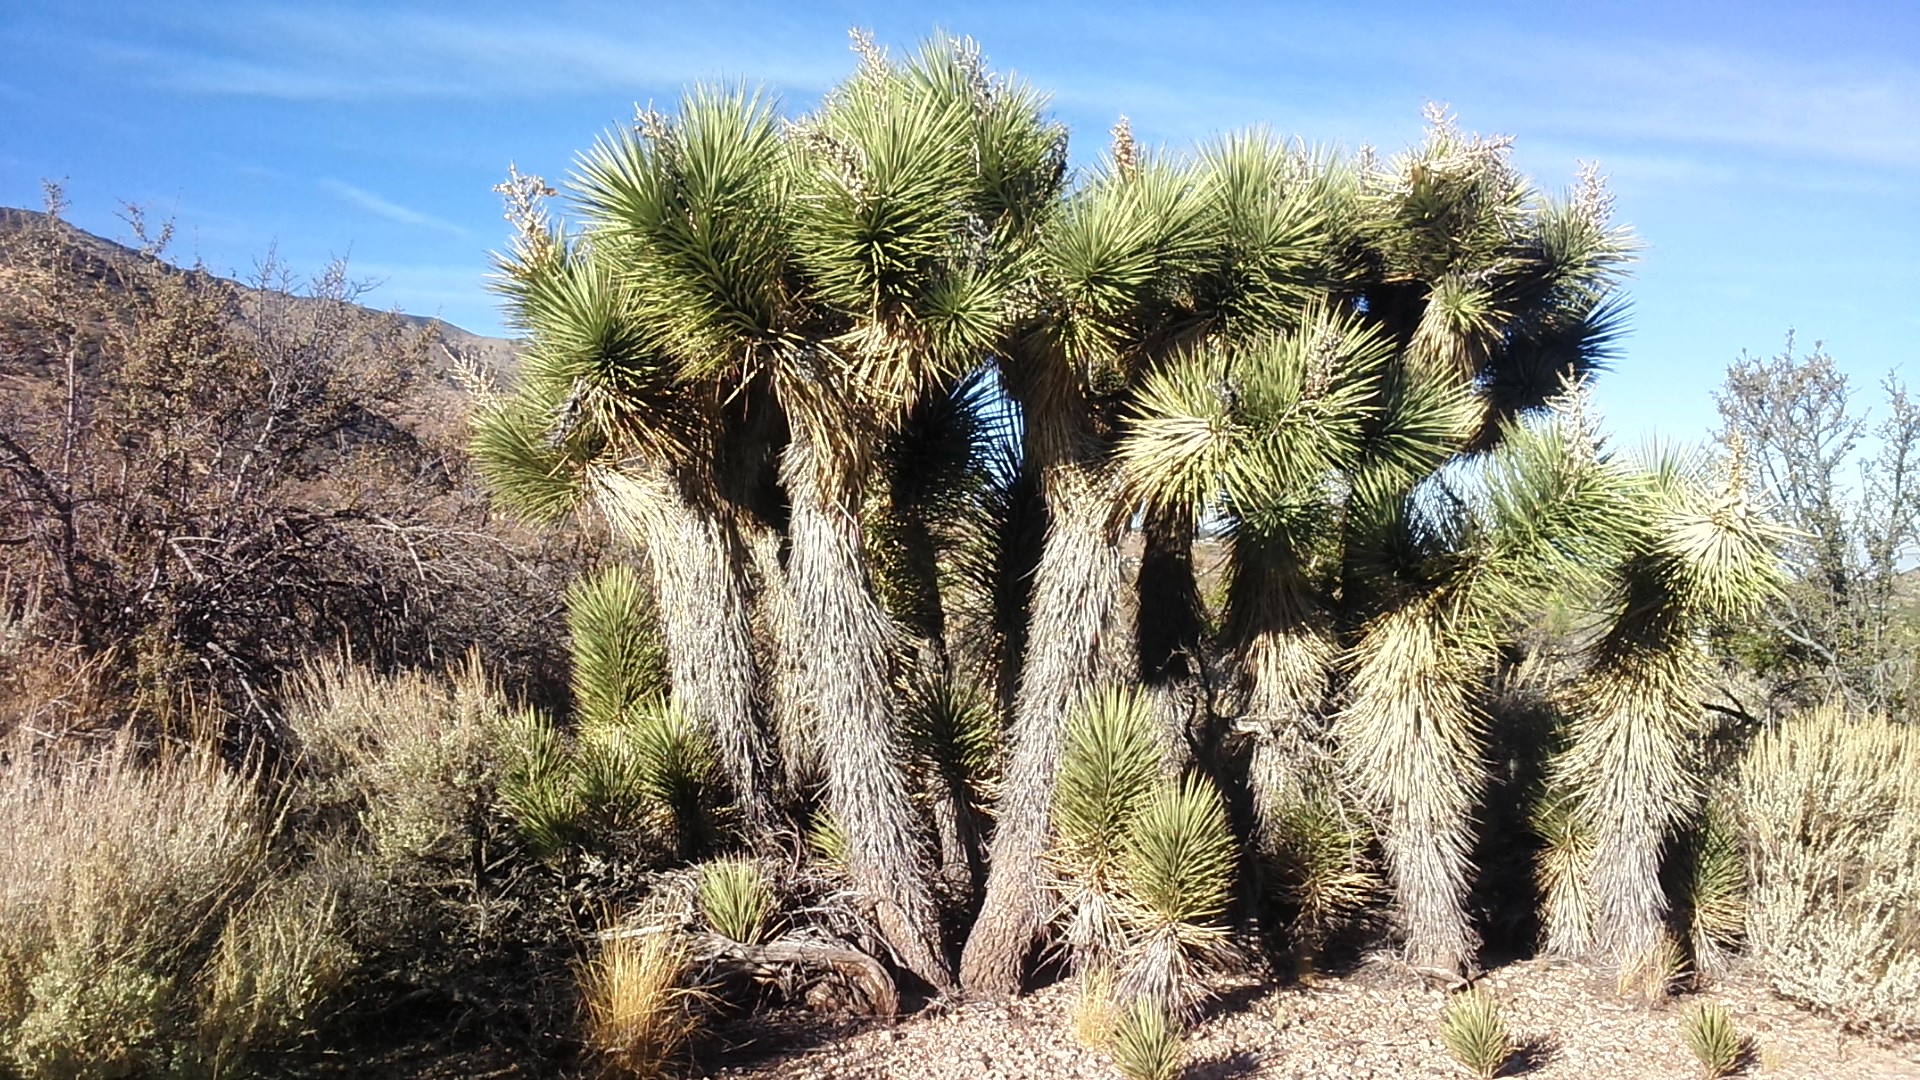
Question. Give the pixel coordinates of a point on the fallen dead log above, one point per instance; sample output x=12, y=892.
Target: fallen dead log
x=826, y=974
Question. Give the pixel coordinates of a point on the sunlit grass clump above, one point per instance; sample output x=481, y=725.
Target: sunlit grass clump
x=639, y=1014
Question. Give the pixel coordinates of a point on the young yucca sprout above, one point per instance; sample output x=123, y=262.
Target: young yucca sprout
x=1176, y=874
x=827, y=839
x=1710, y=1034
x=679, y=775
x=1147, y=1042
x=1319, y=857
x=619, y=663
x=1715, y=892
x=1561, y=869
x=1476, y=1034
x=1109, y=768
x=737, y=899
x=609, y=775
x=537, y=786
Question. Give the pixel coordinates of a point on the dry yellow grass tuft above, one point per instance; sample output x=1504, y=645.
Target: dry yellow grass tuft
x=1093, y=1013
x=639, y=1013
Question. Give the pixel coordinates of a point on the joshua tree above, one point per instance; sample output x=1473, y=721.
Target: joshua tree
x=852, y=263
x=1270, y=438
x=602, y=413
x=1111, y=267
x=1488, y=299
x=1489, y=290
x=1698, y=553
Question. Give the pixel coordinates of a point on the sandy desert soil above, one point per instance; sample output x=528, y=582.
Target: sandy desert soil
x=1376, y=1024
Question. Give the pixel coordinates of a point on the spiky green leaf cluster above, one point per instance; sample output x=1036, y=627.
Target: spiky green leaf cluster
x=737, y=899
x=1259, y=429
x=1147, y=1042
x=647, y=774
x=1476, y=1034
x=1716, y=1044
x=1177, y=862
x=1319, y=855
x=1109, y=769
x=1562, y=868
x=1714, y=894
x=619, y=663
x=1175, y=879
x=954, y=733
x=679, y=775
x=537, y=785
x=1146, y=864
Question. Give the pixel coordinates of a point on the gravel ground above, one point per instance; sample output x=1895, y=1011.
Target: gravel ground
x=1377, y=1024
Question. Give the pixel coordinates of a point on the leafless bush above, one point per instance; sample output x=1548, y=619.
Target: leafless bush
x=203, y=484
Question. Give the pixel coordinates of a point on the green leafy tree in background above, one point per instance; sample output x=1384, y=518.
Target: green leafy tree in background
x=1842, y=627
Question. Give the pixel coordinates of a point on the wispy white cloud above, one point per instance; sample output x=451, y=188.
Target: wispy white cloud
x=301, y=54
x=385, y=208
x=1188, y=73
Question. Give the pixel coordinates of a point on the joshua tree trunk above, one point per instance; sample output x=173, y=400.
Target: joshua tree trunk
x=1411, y=743
x=905, y=555
x=845, y=647
x=1633, y=715
x=1076, y=588
x=704, y=590
x=1286, y=657
x=1169, y=622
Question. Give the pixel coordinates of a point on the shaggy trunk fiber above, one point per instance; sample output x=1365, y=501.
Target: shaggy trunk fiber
x=1410, y=740
x=797, y=756
x=845, y=648
x=702, y=581
x=1076, y=588
x=1169, y=622
x=1286, y=677
x=1286, y=658
x=1630, y=737
x=905, y=557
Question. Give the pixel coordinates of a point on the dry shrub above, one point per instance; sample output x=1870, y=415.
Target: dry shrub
x=638, y=1007
x=281, y=957
x=1831, y=809
x=1093, y=1013
x=406, y=756
x=129, y=902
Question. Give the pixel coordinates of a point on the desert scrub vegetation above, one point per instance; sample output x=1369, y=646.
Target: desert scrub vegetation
x=212, y=482
x=1830, y=805
x=146, y=926
x=850, y=646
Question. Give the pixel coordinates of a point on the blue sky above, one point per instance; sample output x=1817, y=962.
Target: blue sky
x=1768, y=156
